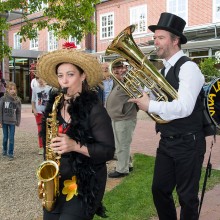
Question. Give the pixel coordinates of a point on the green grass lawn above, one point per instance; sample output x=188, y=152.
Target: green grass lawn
x=132, y=199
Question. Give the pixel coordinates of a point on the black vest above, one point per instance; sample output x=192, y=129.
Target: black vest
x=191, y=124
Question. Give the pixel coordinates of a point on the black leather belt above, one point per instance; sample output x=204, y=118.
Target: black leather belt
x=177, y=136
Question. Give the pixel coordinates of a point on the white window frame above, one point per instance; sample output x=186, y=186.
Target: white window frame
x=174, y=7
x=52, y=41
x=17, y=42
x=75, y=41
x=34, y=43
x=108, y=26
x=136, y=19
x=216, y=11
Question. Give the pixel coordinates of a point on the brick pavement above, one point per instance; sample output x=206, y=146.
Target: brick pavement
x=145, y=141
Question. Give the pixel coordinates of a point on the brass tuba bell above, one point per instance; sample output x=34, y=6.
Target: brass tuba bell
x=142, y=72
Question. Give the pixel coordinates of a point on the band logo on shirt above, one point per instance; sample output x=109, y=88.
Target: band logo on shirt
x=42, y=98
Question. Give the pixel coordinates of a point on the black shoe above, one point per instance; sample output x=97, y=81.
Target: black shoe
x=116, y=174
x=131, y=169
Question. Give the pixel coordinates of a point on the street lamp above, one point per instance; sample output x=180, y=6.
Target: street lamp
x=5, y=16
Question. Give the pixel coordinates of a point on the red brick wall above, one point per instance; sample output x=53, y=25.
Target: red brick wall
x=200, y=12
x=43, y=37
x=120, y=8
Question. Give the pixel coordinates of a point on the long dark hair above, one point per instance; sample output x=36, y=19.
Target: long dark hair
x=85, y=85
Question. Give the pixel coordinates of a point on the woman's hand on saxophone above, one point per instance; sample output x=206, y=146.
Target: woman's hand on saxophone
x=64, y=144
x=143, y=102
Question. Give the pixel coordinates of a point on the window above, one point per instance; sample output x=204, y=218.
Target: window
x=179, y=8
x=52, y=41
x=76, y=42
x=17, y=41
x=107, y=26
x=216, y=11
x=34, y=44
x=138, y=16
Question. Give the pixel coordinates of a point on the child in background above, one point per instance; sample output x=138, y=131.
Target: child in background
x=40, y=96
x=34, y=82
x=10, y=116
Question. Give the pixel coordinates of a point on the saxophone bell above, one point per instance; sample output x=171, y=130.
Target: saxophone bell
x=47, y=174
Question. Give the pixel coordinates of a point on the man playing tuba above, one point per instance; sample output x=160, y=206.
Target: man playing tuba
x=182, y=145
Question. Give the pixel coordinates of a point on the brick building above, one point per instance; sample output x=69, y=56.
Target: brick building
x=202, y=30
x=202, y=18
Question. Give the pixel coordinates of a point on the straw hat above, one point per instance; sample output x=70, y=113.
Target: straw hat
x=46, y=65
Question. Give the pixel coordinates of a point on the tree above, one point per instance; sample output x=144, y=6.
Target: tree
x=208, y=68
x=65, y=17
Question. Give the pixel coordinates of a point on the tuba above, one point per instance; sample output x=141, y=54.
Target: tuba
x=142, y=73
x=48, y=171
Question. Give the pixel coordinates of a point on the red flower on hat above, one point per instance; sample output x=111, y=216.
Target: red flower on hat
x=69, y=45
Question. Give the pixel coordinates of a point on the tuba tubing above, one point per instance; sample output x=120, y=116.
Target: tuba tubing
x=142, y=73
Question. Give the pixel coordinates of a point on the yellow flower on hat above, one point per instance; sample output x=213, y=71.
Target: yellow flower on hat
x=70, y=188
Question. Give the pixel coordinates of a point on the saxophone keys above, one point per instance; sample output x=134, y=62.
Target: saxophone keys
x=40, y=190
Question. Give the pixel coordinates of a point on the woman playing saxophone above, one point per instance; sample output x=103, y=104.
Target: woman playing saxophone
x=85, y=138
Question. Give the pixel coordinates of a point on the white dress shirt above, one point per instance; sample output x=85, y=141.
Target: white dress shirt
x=191, y=81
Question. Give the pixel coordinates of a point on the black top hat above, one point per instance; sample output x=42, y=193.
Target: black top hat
x=172, y=23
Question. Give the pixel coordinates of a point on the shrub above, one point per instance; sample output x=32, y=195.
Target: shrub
x=209, y=69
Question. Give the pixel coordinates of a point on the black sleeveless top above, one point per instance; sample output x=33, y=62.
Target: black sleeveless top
x=191, y=124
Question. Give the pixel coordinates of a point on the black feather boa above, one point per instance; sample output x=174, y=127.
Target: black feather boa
x=79, y=130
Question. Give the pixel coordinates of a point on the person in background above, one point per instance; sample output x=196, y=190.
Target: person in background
x=34, y=82
x=124, y=118
x=85, y=140
x=2, y=87
x=182, y=146
x=10, y=116
x=40, y=96
x=100, y=92
x=125, y=67
x=107, y=81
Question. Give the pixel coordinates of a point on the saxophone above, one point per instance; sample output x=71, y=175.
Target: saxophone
x=48, y=171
